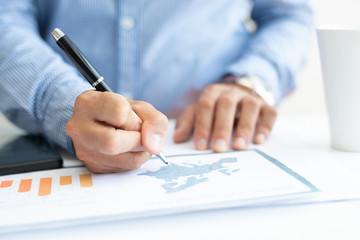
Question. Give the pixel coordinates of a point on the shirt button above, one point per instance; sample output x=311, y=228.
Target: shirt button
x=127, y=23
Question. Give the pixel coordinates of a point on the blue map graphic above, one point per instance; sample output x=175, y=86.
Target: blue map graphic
x=180, y=177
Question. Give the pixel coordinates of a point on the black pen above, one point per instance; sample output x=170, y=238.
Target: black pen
x=84, y=66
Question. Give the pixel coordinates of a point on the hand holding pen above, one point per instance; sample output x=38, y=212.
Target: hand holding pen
x=110, y=133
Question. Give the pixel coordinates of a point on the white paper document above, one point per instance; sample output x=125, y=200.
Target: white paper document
x=191, y=182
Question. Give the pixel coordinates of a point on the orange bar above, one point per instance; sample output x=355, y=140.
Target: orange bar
x=65, y=180
x=5, y=184
x=86, y=180
x=25, y=185
x=45, y=186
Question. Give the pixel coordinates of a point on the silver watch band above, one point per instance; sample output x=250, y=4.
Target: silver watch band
x=258, y=87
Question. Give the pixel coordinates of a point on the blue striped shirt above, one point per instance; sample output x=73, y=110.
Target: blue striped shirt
x=151, y=50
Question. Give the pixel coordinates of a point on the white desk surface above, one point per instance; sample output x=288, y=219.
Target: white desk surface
x=297, y=141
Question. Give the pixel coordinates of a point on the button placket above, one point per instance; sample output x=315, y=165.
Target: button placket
x=127, y=47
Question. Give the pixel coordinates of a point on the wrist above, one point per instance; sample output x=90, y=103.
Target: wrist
x=255, y=85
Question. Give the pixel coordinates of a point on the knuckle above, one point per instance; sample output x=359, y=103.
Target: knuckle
x=272, y=111
x=245, y=128
x=191, y=108
x=110, y=145
x=82, y=100
x=70, y=129
x=212, y=87
x=222, y=128
x=202, y=133
x=121, y=108
x=144, y=104
x=227, y=100
x=206, y=103
x=110, y=95
x=121, y=112
x=82, y=155
x=251, y=102
x=116, y=99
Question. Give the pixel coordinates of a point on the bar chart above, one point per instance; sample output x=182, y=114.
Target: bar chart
x=45, y=185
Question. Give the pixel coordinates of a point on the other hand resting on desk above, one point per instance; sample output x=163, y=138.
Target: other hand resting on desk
x=218, y=109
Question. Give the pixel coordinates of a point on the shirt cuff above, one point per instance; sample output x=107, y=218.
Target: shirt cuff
x=60, y=109
x=253, y=65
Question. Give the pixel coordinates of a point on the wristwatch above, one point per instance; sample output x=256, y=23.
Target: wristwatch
x=257, y=86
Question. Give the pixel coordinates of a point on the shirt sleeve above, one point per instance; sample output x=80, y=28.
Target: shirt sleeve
x=277, y=49
x=38, y=89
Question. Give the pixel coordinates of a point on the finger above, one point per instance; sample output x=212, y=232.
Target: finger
x=185, y=124
x=204, y=117
x=117, y=111
x=110, y=108
x=118, y=163
x=108, y=140
x=268, y=117
x=250, y=109
x=154, y=126
x=224, y=121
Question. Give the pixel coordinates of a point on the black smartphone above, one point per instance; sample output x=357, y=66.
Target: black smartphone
x=27, y=153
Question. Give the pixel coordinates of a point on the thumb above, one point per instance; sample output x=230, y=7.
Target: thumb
x=154, y=126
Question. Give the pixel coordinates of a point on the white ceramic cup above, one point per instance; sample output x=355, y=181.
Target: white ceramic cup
x=340, y=59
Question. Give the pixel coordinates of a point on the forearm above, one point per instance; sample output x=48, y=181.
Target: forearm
x=38, y=89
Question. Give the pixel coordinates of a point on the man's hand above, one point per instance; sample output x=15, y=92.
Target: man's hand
x=219, y=108
x=112, y=134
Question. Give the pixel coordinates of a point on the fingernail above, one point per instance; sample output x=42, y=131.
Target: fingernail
x=220, y=145
x=155, y=141
x=240, y=143
x=260, y=138
x=201, y=144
